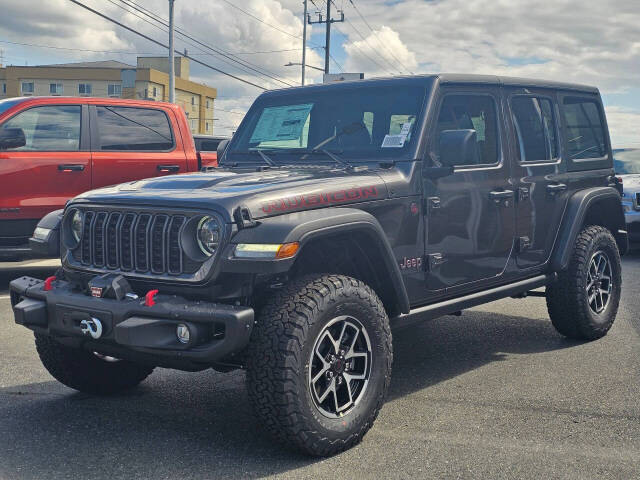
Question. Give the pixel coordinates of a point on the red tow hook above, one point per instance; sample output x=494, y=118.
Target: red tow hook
x=48, y=282
x=149, y=298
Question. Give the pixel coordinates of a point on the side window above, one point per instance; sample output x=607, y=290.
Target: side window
x=535, y=128
x=133, y=129
x=470, y=112
x=585, y=128
x=53, y=128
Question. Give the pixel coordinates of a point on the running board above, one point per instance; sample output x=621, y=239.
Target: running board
x=457, y=304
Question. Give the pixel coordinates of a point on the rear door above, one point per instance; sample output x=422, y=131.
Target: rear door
x=52, y=167
x=469, y=214
x=134, y=142
x=539, y=173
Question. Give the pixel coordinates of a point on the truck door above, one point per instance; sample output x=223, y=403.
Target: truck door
x=131, y=143
x=52, y=167
x=539, y=174
x=470, y=213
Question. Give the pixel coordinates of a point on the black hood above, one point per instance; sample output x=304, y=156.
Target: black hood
x=264, y=193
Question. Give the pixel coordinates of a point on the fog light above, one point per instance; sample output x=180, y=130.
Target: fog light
x=183, y=334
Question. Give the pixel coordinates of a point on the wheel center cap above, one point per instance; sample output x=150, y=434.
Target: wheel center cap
x=338, y=365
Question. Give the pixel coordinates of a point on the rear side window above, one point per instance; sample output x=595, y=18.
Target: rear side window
x=133, y=129
x=585, y=128
x=54, y=128
x=535, y=128
x=471, y=112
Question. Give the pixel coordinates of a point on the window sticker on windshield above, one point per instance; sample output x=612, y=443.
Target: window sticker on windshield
x=406, y=128
x=394, y=141
x=281, y=123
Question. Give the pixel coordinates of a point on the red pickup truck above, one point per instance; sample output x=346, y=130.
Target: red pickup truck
x=54, y=148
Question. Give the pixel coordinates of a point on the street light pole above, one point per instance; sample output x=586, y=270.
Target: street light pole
x=172, y=66
x=304, y=39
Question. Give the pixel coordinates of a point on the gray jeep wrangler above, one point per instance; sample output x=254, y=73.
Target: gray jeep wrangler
x=338, y=213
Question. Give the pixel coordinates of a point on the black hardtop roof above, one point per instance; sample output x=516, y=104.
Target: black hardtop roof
x=446, y=78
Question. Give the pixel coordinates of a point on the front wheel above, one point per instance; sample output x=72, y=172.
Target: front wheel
x=320, y=363
x=583, y=303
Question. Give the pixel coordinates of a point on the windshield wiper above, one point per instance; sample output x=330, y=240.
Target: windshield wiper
x=266, y=159
x=334, y=157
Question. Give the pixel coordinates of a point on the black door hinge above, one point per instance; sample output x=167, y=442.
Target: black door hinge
x=524, y=243
x=434, y=260
x=431, y=204
x=523, y=193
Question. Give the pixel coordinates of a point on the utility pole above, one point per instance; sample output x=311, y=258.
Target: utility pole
x=304, y=39
x=172, y=66
x=328, y=20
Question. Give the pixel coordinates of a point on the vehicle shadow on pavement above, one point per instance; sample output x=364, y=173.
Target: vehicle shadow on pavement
x=200, y=425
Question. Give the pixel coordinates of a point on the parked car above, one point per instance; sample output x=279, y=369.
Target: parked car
x=53, y=148
x=339, y=211
x=208, y=143
x=627, y=166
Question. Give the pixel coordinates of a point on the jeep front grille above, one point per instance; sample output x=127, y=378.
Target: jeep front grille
x=136, y=242
x=637, y=200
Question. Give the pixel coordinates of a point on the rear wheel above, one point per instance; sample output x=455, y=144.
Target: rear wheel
x=583, y=303
x=320, y=363
x=87, y=371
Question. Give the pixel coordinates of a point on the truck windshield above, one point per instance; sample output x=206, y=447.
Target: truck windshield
x=8, y=103
x=361, y=123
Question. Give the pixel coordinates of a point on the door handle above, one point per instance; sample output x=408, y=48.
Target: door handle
x=168, y=168
x=556, y=188
x=71, y=167
x=500, y=195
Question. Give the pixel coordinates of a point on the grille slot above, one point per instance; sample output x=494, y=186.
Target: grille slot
x=637, y=200
x=134, y=242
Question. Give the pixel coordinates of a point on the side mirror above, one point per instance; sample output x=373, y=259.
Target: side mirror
x=459, y=147
x=12, y=138
x=222, y=146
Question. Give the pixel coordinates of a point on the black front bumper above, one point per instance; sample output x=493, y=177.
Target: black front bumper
x=131, y=330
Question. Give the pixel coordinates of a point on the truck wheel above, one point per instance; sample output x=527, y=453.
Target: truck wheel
x=320, y=363
x=584, y=301
x=87, y=372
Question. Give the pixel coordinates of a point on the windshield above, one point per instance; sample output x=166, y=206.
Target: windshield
x=355, y=123
x=626, y=161
x=8, y=103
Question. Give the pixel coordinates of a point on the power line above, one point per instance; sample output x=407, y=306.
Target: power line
x=80, y=4
x=180, y=31
x=378, y=38
x=371, y=59
x=80, y=49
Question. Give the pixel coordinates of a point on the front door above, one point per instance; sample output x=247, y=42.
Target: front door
x=470, y=213
x=53, y=166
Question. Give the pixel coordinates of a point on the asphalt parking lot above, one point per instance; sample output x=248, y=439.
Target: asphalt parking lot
x=495, y=393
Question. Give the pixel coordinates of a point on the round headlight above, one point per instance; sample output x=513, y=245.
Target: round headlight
x=209, y=235
x=76, y=225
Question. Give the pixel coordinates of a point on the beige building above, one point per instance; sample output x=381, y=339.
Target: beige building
x=148, y=80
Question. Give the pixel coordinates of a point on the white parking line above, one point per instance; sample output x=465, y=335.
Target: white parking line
x=4, y=297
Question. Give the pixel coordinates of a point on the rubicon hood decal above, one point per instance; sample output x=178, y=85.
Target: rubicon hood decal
x=312, y=200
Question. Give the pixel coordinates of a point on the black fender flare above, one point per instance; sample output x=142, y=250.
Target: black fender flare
x=48, y=246
x=575, y=215
x=310, y=225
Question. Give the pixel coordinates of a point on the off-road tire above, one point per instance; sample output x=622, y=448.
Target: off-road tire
x=279, y=356
x=567, y=299
x=85, y=371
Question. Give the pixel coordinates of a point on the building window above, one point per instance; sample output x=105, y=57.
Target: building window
x=194, y=124
x=55, y=88
x=208, y=104
x=27, y=88
x=84, y=89
x=155, y=92
x=207, y=126
x=114, y=89
x=193, y=101
x=4, y=88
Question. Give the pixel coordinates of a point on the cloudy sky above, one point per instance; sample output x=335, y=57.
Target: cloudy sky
x=593, y=42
